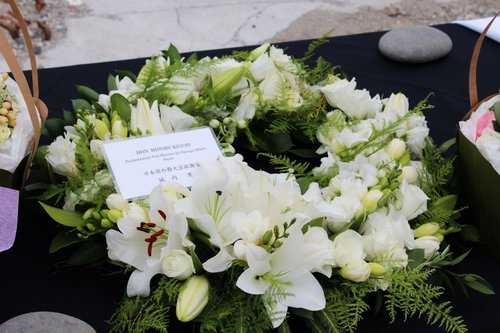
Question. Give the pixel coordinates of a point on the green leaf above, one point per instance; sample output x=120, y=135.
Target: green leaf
x=53, y=127
x=87, y=93
x=120, y=104
x=69, y=117
x=173, y=54
x=470, y=233
x=198, y=266
x=193, y=59
x=273, y=142
x=305, y=153
x=80, y=104
x=496, y=110
x=112, y=83
x=415, y=257
x=302, y=313
x=447, y=145
x=88, y=253
x=125, y=73
x=65, y=217
x=62, y=240
x=98, y=108
x=478, y=283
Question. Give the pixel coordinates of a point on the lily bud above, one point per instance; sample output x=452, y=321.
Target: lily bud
x=370, y=200
x=117, y=129
x=356, y=270
x=396, y=149
x=105, y=119
x=376, y=269
x=225, y=81
x=100, y=129
x=88, y=213
x=258, y=51
x=427, y=229
x=192, y=298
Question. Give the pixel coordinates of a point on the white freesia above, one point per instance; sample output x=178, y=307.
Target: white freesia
x=416, y=133
x=61, y=156
x=412, y=199
x=146, y=118
x=429, y=244
x=281, y=60
x=261, y=67
x=247, y=105
x=318, y=251
x=174, y=119
x=356, y=104
x=251, y=227
x=116, y=201
x=104, y=178
x=356, y=270
x=361, y=169
x=96, y=147
x=396, y=149
x=397, y=104
x=70, y=201
x=410, y=173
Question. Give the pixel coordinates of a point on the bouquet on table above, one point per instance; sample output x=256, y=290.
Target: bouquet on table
x=242, y=249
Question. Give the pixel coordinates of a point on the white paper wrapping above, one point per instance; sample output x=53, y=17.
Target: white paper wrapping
x=14, y=149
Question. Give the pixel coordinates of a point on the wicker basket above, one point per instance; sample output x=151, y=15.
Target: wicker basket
x=12, y=180
x=479, y=181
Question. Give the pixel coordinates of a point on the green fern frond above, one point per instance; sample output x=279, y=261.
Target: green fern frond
x=411, y=294
x=285, y=164
x=436, y=171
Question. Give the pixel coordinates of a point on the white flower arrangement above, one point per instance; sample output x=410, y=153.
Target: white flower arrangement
x=372, y=216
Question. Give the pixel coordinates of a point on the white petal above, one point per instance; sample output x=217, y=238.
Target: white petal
x=305, y=291
x=250, y=283
x=220, y=262
x=138, y=284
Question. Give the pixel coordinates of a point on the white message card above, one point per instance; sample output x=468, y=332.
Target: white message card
x=140, y=164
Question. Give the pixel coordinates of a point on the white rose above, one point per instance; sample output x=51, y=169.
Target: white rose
x=115, y=201
x=133, y=210
x=280, y=59
x=412, y=199
x=428, y=243
x=489, y=146
x=177, y=264
x=347, y=247
x=61, y=156
x=318, y=251
x=174, y=119
x=356, y=270
x=251, y=227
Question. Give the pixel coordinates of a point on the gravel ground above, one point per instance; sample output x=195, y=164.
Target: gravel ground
x=404, y=13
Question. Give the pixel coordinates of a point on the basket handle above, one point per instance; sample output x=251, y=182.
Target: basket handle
x=36, y=108
x=473, y=97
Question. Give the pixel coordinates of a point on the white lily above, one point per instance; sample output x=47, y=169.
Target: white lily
x=146, y=118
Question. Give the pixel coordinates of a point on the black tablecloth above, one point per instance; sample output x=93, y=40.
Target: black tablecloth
x=33, y=280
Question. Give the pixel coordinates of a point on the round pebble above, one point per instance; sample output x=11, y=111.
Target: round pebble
x=45, y=322
x=415, y=45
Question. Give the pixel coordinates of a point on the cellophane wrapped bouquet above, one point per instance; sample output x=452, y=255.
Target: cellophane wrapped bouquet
x=354, y=201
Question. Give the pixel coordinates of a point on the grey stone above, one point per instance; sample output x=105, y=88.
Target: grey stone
x=45, y=322
x=417, y=44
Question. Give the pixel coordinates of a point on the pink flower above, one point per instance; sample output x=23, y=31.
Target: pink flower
x=485, y=122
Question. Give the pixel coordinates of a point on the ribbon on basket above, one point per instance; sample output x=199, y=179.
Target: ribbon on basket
x=11, y=182
x=479, y=180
